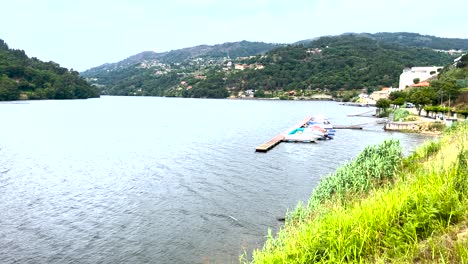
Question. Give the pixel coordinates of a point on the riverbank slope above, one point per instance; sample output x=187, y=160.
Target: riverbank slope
x=384, y=208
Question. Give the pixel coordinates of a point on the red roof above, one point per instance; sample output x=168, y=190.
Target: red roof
x=421, y=84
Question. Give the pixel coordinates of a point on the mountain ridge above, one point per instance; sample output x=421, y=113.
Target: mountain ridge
x=229, y=49
x=402, y=38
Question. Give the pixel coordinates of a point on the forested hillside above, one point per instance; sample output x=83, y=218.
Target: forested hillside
x=22, y=77
x=345, y=62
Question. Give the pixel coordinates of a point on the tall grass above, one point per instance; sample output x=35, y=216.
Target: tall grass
x=375, y=222
x=373, y=166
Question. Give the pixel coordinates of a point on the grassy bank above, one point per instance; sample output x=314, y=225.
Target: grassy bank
x=384, y=208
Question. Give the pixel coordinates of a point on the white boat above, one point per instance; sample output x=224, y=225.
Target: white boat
x=303, y=135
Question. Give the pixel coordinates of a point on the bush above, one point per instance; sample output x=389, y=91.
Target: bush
x=400, y=114
x=383, y=103
x=437, y=126
x=385, y=113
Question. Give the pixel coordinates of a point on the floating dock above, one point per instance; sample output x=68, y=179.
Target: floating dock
x=281, y=137
x=277, y=139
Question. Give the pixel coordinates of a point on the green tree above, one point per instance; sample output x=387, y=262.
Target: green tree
x=446, y=88
x=421, y=97
x=383, y=104
x=399, y=101
x=260, y=93
x=8, y=89
x=397, y=94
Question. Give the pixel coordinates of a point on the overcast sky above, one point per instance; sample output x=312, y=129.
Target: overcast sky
x=87, y=33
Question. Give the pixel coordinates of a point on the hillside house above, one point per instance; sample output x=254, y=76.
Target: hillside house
x=249, y=93
x=241, y=66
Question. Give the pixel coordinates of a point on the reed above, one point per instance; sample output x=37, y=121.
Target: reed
x=379, y=210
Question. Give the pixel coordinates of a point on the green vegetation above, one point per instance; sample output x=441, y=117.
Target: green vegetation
x=29, y=78
x=421, y=97
x=383, y=103
x=383, y=106
x=384, y=208
x=212, y=87
x=373, y=166
x=400, y=114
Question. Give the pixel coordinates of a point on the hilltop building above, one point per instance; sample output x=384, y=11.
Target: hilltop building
x=423, y=73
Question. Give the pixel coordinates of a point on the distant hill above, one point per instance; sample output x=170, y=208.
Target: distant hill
x=229, y=49
x=417, y=40
x=22, y=77
x=330, y=63
x=410, y=40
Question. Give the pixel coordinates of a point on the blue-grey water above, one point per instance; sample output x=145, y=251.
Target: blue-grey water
x=158, y=180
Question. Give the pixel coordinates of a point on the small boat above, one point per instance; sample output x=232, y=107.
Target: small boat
x=305, y=135
x=323, y=125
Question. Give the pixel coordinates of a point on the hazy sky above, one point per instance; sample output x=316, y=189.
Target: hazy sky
x=86, y=33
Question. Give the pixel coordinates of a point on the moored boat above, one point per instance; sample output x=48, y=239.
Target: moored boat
x=323, y=125
x=317, y=128
x=303, y=135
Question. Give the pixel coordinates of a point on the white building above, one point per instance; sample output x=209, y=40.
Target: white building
x=423, y=73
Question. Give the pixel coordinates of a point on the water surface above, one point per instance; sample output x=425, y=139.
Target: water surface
x=158, y=180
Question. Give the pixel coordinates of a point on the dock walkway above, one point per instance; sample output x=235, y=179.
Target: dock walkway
x=277, y=139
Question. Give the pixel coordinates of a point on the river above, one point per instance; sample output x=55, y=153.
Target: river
x=158, y=180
